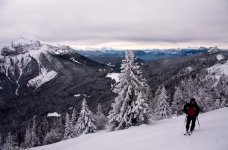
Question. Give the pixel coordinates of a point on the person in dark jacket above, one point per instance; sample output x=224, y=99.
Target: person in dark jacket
x=192, y=111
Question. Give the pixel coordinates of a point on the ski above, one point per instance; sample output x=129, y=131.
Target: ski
x=188, y=133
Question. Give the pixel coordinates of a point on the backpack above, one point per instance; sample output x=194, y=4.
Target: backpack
x=191, y=111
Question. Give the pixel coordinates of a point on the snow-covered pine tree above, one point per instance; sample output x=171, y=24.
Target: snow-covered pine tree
x=153, y=103
x=221, y=90
x=28, y=138
x=99, y=109
x=178, y=102
x=35, y=140
x=73, y=124
x=189, y=88
x=204, y=100
x=100, y=119
x=163, y=110
x=9, y=143
x=43, y=129
x=85, y=123
x=53, y=136
x=130, y=106
x=74, y=118
x=67, y=132
x=217, y=103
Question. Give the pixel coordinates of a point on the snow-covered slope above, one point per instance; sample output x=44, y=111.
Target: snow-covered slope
x=216, y=71
x=42, y=78
x=159, y=135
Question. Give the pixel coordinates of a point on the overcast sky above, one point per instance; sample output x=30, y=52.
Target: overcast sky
x=128, y=24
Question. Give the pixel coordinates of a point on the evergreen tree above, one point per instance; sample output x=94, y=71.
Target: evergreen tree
x=67, y=132
x=178, y=102
x=130, y=106
x=1, y=141
x=221, y=90
x=153, y=103
x=9, y=143
x=73, y=124
x=217, y=103
x=19, y=138
x=204, y=100
x=28, y=138
x=43, y=129
x=100, y=119
x=35, y=140
x=53, y=136
x=163, y=110
x=189, y=88
x=99, y=109
x=74, y=118
x=85, y=123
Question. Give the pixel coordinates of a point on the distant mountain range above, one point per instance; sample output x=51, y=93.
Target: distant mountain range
x=104, y=54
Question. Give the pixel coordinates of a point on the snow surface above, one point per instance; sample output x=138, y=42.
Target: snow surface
x=25, y=40
x=114, y=76
x=42, y=78
x=75, y=60
x=77, y=95
x=54, y=114
x=219, y=57
x=159, y=135
x=188, y=69
x=102, y=70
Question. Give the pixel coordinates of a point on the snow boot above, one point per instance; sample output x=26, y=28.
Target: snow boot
x=186, y=133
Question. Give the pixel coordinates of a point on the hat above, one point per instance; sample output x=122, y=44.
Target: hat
x=193, y=99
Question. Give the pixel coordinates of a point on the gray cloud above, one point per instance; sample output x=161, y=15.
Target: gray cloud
x=101, y=22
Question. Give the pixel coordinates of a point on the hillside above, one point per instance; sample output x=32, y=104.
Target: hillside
x=160, y=135
x=172, y=71
x=37, y=78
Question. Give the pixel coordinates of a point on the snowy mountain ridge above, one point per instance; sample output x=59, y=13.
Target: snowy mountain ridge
x=213, y=50
x=27, y=51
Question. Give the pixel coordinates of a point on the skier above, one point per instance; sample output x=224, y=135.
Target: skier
x=192, y=111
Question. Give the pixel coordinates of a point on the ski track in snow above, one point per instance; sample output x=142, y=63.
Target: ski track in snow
x=159, y=135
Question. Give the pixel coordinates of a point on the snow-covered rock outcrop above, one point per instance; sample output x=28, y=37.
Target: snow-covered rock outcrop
x=215, y=72
x=43, y=77
x=213, y=50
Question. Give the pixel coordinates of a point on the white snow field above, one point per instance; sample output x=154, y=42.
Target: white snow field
x=159, y=135
x=114, y=76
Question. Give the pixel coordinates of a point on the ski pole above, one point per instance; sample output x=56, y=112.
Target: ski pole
x=184, y=123
x=198, y=122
